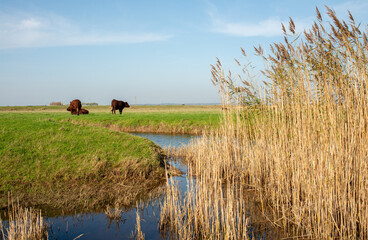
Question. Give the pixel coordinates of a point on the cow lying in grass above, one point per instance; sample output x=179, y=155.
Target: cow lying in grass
x=84, y=111
x=74, y=112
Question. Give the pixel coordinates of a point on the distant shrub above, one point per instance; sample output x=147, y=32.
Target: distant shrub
x=56, y=104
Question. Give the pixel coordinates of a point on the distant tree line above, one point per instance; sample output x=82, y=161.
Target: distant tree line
x=90, y=104
x=60, y=104
x=56, y=104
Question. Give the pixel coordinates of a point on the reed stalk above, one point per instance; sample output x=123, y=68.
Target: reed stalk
x=139, y=233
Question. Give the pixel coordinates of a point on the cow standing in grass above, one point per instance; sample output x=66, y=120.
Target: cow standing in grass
x=116, y=104
x=75, y=107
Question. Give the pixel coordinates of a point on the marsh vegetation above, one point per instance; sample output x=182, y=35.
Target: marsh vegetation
x=295, y=153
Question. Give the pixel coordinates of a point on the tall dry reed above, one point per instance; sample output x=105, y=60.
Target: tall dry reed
x=23, y=223
x=300, y=151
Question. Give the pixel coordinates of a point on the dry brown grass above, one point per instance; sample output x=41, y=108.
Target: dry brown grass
x=161, y=129
x=95, y=194
x=305, y=158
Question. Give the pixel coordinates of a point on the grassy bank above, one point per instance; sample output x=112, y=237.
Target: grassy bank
x=176, y=119
x=45, y=161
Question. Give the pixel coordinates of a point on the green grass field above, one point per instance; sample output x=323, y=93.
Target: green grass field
x=41, y=156
x=50, y=157
x=177, y=119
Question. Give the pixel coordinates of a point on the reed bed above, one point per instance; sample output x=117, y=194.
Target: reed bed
x=23, y=223
x=296, y=152
x=200, y=213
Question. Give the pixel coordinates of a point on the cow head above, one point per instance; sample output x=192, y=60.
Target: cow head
x=126, y=104
x=68, y=109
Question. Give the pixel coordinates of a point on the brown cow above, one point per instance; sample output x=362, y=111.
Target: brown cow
x=84, y=111
x=75, y=107
x=116, y=104
x=72, y=112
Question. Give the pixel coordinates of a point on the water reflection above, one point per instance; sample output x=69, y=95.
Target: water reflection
x=167, y=140
x=99, y=226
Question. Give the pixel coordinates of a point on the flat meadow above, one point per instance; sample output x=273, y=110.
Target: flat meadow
x=174, y=119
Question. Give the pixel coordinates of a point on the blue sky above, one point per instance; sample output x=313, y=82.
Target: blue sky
x=144, y=52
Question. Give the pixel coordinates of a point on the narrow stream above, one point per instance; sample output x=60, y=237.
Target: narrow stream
x=98, y=226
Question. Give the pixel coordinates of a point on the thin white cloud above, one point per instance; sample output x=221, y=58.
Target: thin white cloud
x=24, y=31
x=266, y=28
x=272, y=26
x=30, y=23
x=357, y=8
